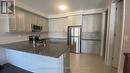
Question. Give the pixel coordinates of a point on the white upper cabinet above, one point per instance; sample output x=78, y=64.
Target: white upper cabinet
x=34, y=19
x=23, y=20
x=17, y=23
x=44, y=23
x=20, y=21
x=4, y=24
x=92, y=23
x=28, y=21
x=58, y=25
x=74, y=20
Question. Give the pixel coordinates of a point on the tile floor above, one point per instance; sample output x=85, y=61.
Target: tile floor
x=86, y=63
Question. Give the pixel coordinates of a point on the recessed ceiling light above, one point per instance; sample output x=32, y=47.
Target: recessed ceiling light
x=62, y=7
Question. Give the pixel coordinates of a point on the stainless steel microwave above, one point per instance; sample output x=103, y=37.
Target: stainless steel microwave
x=36, y=28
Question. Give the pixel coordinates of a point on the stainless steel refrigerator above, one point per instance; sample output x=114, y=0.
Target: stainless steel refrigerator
x=74, y=38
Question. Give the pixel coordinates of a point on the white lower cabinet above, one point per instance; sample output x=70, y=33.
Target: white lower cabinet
x=90, y=47
x=38, y=63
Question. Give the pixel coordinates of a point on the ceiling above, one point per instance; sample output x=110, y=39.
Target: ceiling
x=51, y=6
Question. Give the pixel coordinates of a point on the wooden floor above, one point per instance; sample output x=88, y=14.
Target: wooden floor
x=8, y=68
x=86, y=63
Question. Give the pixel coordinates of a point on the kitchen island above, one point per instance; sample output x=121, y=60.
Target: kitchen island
x=52, y=57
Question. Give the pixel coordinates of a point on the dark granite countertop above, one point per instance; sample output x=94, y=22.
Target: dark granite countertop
x=52, y=48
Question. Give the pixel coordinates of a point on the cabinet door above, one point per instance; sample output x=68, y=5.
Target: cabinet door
x=34, y=19
x=46, y=27
x=74, y=20
x=40, y=21
x=92, y=23
x=58, y=25
x=20, y=23
x=44, y=23
x=28, y=21
x=12, y=24
x=23, y=21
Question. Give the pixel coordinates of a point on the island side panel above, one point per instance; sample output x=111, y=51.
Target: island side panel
x=61, y=64
x=32, y=62
x=3, y=59
x=64, y=62
x=66, y=57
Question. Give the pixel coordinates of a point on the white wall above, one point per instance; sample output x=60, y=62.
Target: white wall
x=125, y=47
x=110, y=34
x=118, y=30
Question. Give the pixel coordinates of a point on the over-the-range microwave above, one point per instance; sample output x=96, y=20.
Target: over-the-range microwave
x=36, y=28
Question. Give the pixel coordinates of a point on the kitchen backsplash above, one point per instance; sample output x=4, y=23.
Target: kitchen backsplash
x=13, y=37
